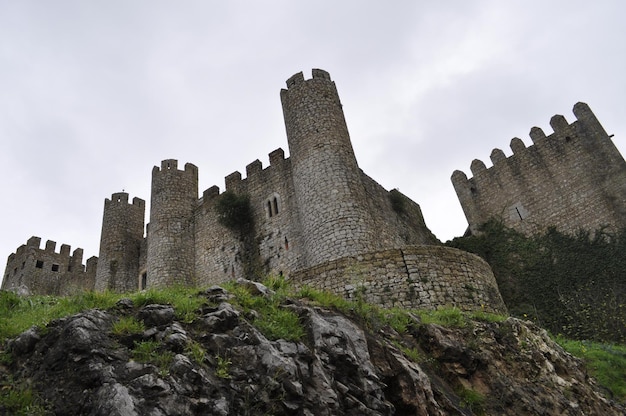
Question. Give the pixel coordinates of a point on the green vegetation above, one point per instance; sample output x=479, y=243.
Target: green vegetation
x=449, y=317
x=472, y=400
x=127, y=325
x=607, y=363
x=272, y=319
x=234, y=211
x=222, y=369
x=153, y=352
x=572, y=285
x=18, y=399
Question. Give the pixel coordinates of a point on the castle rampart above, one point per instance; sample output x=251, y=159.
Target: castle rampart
x=415, y=277
x=39, y=270
x=573, y=179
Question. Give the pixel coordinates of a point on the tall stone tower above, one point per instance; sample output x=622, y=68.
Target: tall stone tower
x=170, y=256
x=120, y=243
x=327, y=181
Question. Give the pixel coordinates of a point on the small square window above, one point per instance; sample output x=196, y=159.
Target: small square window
x=55, y=267
x=39, y=264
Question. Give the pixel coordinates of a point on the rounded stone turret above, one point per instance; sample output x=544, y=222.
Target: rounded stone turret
x=120, y=243
x=329, y=191
x=170, y=256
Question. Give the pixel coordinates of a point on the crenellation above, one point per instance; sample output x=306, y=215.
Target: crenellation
x=233, y=181
x=537, y=134
x=558, y=123
x=254, y=168
x=277, y=157
x=211, y=193
x=50, y=246
x=477, y=167
x=295, y=79
x=517, y=145
x=497, y=156
x=569, y=180
x=65, y=250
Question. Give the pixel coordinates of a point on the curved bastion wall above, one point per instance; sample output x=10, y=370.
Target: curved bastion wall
x=414, y=277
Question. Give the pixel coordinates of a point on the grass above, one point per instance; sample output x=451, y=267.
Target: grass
x=153, y=353
x=127, y=325
x=19, y=400
x=606, y=363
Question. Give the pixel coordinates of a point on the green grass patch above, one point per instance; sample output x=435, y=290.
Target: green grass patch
x=152, y=352
x=274, y=321
x=19, y=400
x=606, y=363
x=472, y=400
x=127, y=325
x=448, y=317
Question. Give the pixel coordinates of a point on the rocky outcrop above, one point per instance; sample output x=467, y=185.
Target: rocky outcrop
x=220, y=364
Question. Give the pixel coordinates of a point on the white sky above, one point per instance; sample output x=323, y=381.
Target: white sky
x=93, y=94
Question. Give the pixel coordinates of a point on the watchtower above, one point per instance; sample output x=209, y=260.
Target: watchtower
x=329, y=192
x=120, y=243
x=170, y=257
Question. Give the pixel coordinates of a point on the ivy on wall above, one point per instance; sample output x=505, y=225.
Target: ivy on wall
x=571, y=285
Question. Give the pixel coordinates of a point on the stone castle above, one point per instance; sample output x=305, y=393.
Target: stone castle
x=315, y=218
x=573, y=179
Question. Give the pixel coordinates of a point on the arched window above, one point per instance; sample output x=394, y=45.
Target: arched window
x=274, y=205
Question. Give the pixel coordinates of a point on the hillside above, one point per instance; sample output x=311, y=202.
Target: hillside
x=246, y=349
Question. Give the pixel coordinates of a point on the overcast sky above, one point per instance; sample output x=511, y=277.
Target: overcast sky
x=94, y=94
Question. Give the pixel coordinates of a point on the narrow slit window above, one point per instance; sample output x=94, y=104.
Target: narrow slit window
x=269, y=209
x=275, y=203
x=286, y=244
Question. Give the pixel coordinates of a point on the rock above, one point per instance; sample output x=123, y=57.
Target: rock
x=77, y=366
x=156, y=315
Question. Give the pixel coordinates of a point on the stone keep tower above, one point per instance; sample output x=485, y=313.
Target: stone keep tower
x=120, y=243
x=170, y=257
x=329, y=192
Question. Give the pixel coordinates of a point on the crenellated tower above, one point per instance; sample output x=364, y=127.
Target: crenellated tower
x=120, y=243
x=329, y=191
x=573, y=179
x=171, y=245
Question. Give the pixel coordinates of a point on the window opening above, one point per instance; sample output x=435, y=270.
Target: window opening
x=23, y=264
x=69, y=268
x=144, y=280
x=55, y=267
x=275, y=205
x=39, y=264
x=286, y=244
x=269, y=209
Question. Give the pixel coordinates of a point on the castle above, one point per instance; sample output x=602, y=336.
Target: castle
x=317, y=219
x=573, y=179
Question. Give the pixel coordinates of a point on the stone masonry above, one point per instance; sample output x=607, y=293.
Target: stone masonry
x=317, y=220
x=573, y=179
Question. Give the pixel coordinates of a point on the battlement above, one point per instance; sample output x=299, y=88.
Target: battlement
x=561, y=180
x=171, y=165
x=562, y=132
x=234, y=181
x=35, y=243
x=122, y=199
x=298, y=78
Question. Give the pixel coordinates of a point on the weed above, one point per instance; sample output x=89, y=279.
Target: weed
x=449, y=317
x=196, y=351
x=223, y=367
x=19, y=399
x=151, y=352
x=472, y=400
x=127, y=325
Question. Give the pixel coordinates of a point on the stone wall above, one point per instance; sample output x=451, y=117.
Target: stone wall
x=573, y=179
x=46, y=272
x=415, y=277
